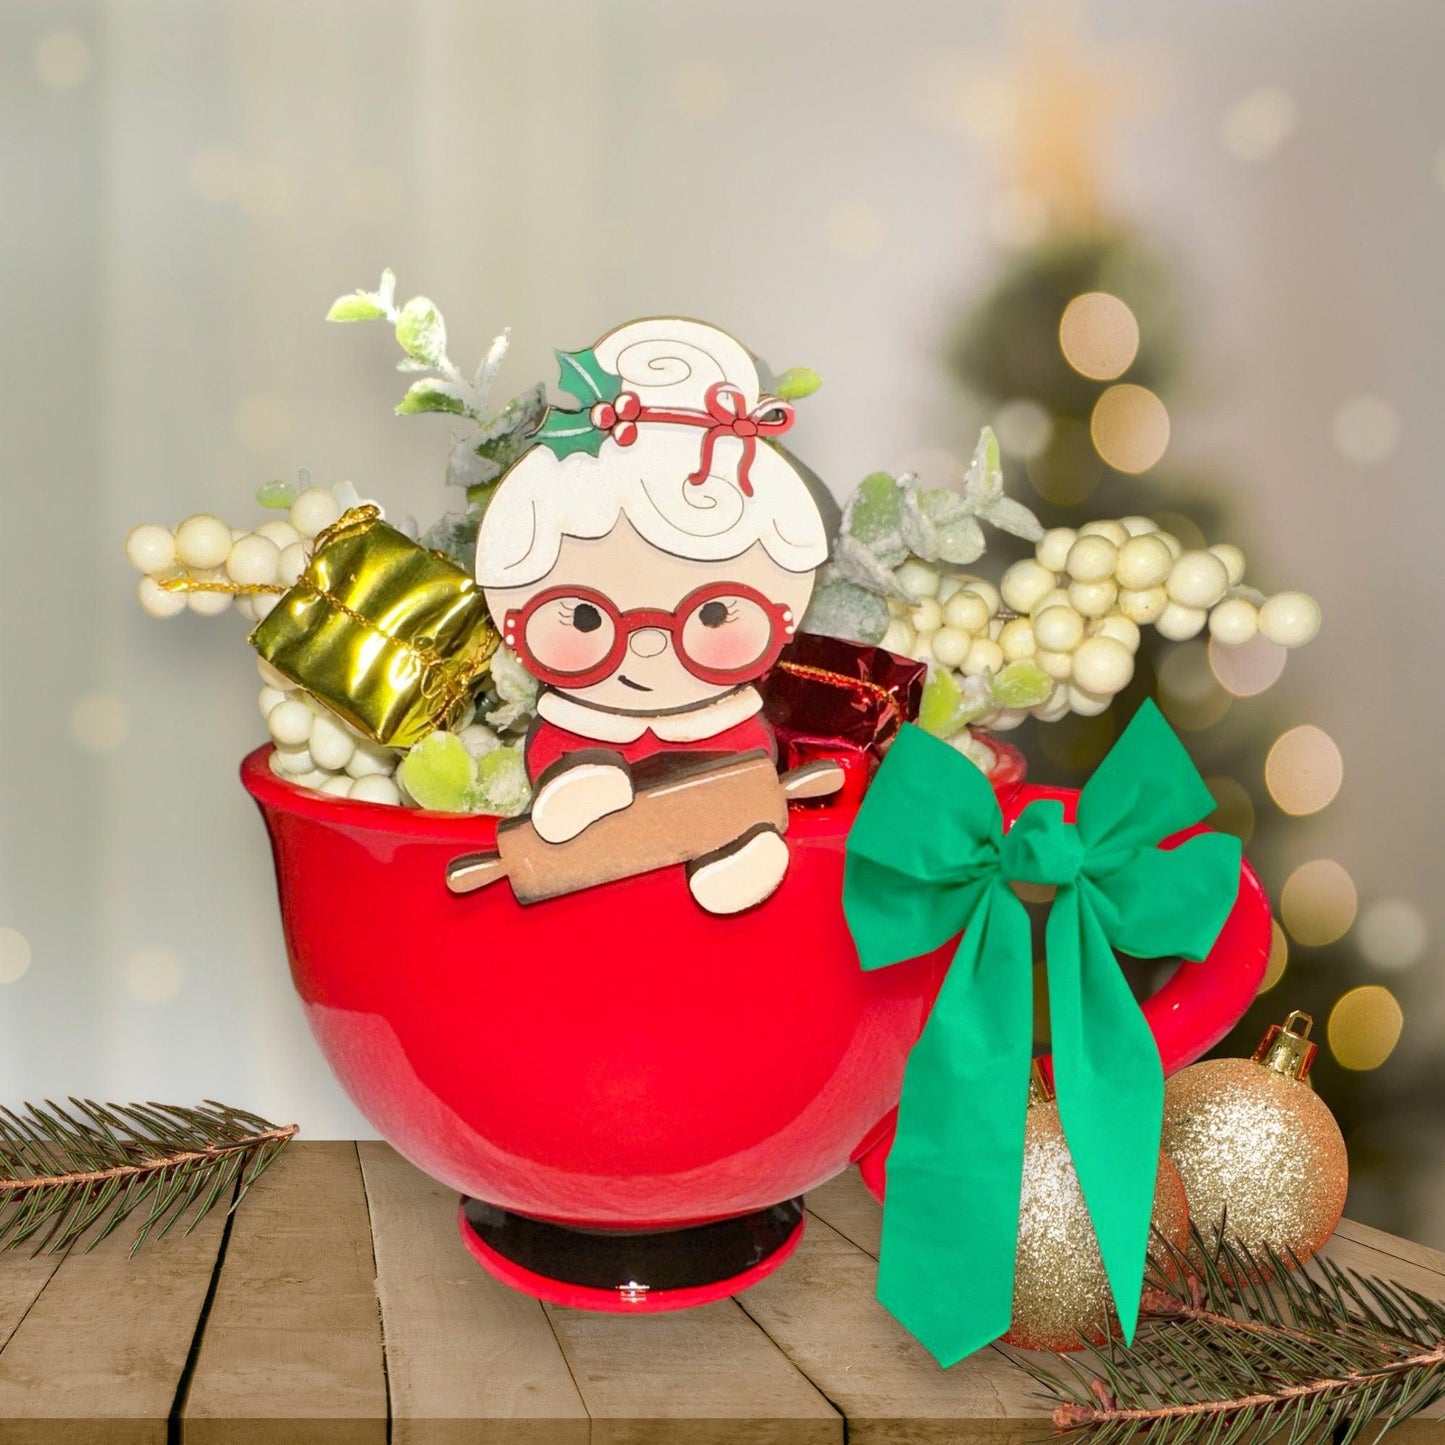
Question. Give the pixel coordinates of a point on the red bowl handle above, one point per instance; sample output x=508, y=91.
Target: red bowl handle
x=1198, y=1004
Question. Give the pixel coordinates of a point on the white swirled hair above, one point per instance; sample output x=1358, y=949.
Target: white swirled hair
x=669, y=364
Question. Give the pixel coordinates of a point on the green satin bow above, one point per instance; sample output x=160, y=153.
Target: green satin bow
x=928, y=856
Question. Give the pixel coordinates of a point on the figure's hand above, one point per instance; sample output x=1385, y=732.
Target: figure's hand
x=574, y=793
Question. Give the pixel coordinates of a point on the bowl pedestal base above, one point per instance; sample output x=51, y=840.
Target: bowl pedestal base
x=625, y=1271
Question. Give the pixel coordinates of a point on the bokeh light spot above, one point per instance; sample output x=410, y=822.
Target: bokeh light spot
x=99, y=721
x=1392, y=934
x=1258, y=124
x=1066, y=469
x=1364, y=1027
x=1022, y=427
x=1367, y=429
x=1098, y=336
x=62, y=60
x=701, y=89
x=14, y=954
x=1189, y=696
x=1249, y=668
x=1318, y=902
x=154, y=973
x=1304, y=770
x=1278, y=957
x=1130, y=427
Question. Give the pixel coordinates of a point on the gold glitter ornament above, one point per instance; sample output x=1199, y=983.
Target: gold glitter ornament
x=1061, y=1292
x=1254, y=1143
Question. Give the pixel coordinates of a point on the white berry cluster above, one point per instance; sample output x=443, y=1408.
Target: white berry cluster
x=203, y=549
x=1073, y=611
x=315, y=749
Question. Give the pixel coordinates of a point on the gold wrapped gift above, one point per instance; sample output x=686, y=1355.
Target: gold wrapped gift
x=389, y=635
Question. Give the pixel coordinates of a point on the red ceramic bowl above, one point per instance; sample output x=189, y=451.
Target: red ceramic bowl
x=616, y=1062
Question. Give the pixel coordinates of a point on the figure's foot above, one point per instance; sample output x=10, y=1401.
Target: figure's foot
x=577, y=794
x=741, y=875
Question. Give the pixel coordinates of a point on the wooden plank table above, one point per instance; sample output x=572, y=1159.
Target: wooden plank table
x=338, y=1306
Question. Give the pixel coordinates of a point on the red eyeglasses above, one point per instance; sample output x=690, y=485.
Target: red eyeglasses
x=722, y=633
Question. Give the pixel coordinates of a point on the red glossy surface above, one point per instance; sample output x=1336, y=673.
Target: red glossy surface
x=617, y=1057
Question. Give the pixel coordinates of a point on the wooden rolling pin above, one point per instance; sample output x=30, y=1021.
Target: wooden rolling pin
x=683, y=809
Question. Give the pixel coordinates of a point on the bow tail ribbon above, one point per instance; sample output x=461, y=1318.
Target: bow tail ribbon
x=928, y=855
x=954, y=1174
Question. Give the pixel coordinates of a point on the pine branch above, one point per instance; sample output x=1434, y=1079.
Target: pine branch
x=1236, y=1345
x=92, y=1167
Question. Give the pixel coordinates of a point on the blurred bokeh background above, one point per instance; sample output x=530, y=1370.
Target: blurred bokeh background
x=905, y=197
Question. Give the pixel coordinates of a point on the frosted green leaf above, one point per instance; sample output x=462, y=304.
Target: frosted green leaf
x=502, y=787
x=431, y=395
x=276, y=495
x=501, y=439
x=1021, y=684
x=840, y=608
x=439, y=773
x=512, y=681
x=961, y=541
x=422, y=332
x=455, y=534
x=797, y=382
x=855, y=562
x=873, y=517
x=951, y=701
x=984, y=494
x=359, y=306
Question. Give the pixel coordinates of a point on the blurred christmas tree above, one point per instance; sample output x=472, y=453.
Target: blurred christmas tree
x=1073, y=350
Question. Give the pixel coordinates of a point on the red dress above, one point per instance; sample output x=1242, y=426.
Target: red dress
x=548, y=741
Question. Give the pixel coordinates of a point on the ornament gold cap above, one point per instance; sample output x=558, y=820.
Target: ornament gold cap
x=1287, y=1048
x=1039, y=1090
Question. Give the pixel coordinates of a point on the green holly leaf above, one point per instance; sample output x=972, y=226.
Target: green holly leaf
x=984, y=494
x=583, y=376
x=566, y=432
x=431, y=395
x=422, y=332
x=1021, y=684
x=796, y=382
x=439, y=773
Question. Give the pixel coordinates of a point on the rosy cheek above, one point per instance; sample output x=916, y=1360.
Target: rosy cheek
x=572, y=651
x=733, y=648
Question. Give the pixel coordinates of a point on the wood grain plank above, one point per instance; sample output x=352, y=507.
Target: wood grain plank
x=291, y=1349
x=844, y=1204
x=705, y=1376
x=99, y=1356
x=821, y=1310
x=21, y=1280
x=468, y=1361
x=1392, y=1245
